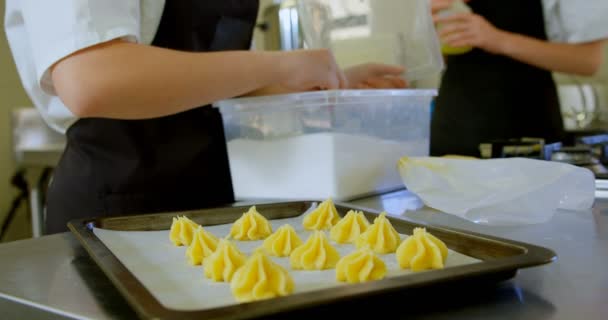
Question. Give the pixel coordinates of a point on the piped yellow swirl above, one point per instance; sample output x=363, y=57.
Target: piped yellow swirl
x=422, y=251
x=323, y=217
x=224, y=262
x=251, y=226
x=182, y=231
x=360, y=266
x=203, y=245
x=381, y=237
x=260, y=278
x=349, y=228
x=315, y=254
x=282, y=242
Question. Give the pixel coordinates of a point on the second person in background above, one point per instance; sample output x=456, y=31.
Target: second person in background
x=503, y=88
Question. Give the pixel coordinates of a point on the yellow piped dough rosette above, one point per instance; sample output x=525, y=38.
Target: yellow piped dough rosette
x=224, y=262
x=251, y=226
x=381, y=237
x=323, y=217
x=349, y=228
x=360, y=266
x=260, y=278
x=282, y=242
x=315, y=254
x=182, y=231
x=422, y=251
x=203, y=245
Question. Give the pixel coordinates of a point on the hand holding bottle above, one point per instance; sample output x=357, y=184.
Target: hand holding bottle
x=461, y=30
x=443, y=9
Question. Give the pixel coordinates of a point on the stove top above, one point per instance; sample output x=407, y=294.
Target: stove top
x=589, y=151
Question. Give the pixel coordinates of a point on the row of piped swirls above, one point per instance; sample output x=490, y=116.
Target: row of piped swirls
x=258, y=277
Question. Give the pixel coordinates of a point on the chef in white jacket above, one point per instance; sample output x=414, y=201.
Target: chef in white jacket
x=130, y=83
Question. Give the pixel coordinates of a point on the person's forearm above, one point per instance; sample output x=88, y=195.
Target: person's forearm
x=132, y=81
x=268, y=91
x=581, y=59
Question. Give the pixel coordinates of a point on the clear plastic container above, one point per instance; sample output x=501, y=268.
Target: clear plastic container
x=387, y=31
x=339, y=144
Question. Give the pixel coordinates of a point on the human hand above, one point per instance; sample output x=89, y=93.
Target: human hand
x=470, y=30
x=304, y=70
x=375, y=76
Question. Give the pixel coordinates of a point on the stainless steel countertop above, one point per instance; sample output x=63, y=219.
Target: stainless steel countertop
x=53, y=277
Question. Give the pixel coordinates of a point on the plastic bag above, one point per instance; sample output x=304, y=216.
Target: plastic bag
x=513, y=191
x=362, y=31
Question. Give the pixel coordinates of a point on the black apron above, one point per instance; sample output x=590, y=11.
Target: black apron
x=485, y=97
x=173, y=163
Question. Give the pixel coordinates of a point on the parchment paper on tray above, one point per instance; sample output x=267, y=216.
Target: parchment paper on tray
x=163, y=269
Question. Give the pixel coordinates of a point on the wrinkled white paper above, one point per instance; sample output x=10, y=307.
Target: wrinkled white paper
x=514, y=191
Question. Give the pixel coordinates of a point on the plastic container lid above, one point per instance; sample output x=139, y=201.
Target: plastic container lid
x=316, y=98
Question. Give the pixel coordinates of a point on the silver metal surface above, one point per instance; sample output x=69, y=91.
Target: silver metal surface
x=578, y=158
x=601, y=189
x=35, y=146
x=289, y=25
x=601, y=184
x=53, y=275
x=282, y=27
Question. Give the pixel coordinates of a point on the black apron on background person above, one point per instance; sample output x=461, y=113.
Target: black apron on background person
x=173, y=163
x=485, y=97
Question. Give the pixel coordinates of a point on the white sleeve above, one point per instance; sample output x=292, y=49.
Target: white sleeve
x=576, y=21
x=59, y=28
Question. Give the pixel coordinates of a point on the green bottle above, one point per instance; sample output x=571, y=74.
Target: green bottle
x=457, y=6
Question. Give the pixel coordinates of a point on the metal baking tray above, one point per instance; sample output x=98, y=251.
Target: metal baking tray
x=500, y=260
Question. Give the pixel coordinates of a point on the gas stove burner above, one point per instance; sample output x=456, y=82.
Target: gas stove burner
x=581, y=156
x=590, y=152
x=598, y=144
x=534, y=148
x=578, y=156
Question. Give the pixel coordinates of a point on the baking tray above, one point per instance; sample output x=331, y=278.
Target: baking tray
x=500, y=260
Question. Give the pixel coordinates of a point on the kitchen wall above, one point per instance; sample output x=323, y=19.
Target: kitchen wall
x=11, y=96
x=258, y=36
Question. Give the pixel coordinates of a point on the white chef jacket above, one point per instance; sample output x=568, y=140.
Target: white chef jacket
x=42, y=32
